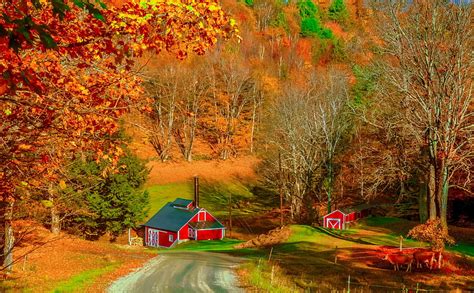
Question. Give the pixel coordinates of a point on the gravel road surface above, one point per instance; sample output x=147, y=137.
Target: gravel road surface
x=182, y=272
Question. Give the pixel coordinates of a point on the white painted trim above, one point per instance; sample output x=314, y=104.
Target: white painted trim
x=213, y=217
x=212, y=229
x=341, y=226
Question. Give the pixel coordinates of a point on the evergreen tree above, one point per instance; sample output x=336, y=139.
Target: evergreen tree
x=338, y=11
x=114, y=198
x=311, y=22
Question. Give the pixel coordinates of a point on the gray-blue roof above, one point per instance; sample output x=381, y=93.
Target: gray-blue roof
x=171, y=218
x=182, y=202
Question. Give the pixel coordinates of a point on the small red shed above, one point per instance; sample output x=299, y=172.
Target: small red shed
x=179, y=221
x=339, y=219
x=335, y=220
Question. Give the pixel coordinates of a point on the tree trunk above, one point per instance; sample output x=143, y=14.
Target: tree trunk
x=9, y=239
x=422, y=203
x=55, y=221
x=330, y=184
x=432, y=192
x=443, y=195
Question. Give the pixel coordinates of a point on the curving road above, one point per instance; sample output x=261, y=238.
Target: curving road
x=182, y=272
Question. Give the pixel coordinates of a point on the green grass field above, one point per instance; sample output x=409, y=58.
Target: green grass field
x=81, y=281
x=246, y=199
x=307, y=259
x=162, y=194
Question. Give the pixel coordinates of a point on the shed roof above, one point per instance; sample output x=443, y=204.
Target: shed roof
x=335, y=211
x=171, y=218
x=206, y=225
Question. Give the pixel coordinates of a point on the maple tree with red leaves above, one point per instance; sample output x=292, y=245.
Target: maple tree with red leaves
x=65, y=80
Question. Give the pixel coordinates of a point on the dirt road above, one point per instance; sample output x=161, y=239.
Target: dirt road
x=182, y=272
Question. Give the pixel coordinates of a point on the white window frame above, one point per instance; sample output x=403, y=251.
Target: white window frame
x=170, y=238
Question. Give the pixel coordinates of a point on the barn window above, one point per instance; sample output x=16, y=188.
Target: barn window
x=170, y=238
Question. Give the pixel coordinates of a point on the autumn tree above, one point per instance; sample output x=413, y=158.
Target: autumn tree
x=178, y=93
x=384, y=156
x=165, y=90
x=435, y=233
x=307, y=129
x=428, y=70
x=229, y=110
x=335, y=121
x=48, y=98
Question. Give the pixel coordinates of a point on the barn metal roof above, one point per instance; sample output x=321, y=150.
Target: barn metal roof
x=181, y=202
x=171, y=218
x=206, y=225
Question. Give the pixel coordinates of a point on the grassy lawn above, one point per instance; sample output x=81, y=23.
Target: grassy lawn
x=306, y=261
x=387, y=231
x=162, y=194
x=224, y=245
x=81, y=281
x=214, y=197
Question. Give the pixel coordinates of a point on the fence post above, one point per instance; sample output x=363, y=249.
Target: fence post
x=349, y=284
x=401, y=242
x=270, y=256
x=273, y=272
x=335, y=256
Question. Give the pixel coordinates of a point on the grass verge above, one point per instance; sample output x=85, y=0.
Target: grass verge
x=265, y=276
x=81, y=281
x=214, y=196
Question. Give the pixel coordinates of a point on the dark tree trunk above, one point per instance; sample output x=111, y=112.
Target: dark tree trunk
x=422, y=203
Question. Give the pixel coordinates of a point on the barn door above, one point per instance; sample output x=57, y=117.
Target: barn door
x=191, y=233
x=152, y=237
x=333, y=223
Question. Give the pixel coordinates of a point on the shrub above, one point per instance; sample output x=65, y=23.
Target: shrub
x=432, y=232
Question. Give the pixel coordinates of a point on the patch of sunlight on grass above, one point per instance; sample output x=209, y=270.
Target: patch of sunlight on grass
x=80, y=282
x=301, y=233
x=261, y=275
x=381, y=221
x=162, y=194
x=214, y=196
x=207, y=245
x=464, y=248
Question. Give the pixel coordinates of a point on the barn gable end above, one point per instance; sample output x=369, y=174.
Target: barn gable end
x=180, y=221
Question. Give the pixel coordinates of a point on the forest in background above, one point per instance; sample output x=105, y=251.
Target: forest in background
x=338, y=100
x=315, y=91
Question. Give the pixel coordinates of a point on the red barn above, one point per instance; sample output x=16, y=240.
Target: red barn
x=335, y=220
x=181, y=220
x=338, y=219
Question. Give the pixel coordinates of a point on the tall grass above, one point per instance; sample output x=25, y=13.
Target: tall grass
x=265, y=276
